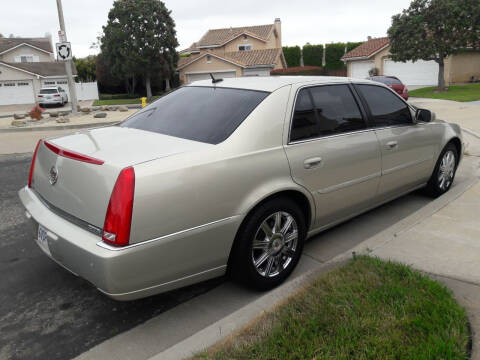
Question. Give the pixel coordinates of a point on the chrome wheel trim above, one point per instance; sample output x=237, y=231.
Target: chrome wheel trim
x=274, y=244
x=446, y=170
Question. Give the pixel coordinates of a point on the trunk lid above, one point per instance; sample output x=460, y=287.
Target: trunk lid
x=82, y=189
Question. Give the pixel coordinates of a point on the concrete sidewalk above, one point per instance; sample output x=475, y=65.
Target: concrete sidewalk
x=9, y=110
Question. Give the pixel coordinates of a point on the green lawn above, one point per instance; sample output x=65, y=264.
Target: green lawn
x=120, y=101
x=470, y=92
x=367, y=309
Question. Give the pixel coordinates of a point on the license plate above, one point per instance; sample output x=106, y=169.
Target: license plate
x=42, y=239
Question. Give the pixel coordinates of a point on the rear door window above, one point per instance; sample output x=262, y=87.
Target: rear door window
x=205, y=114
x=386, y=108
x=325, y=110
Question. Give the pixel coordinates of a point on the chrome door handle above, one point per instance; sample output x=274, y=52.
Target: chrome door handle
x=392, y=145
x=312, y=162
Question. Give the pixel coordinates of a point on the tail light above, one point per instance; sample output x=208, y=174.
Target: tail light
x=57, y=95
x=116, y=229
x=32, y=165
x=405, y=90
x=40, y=95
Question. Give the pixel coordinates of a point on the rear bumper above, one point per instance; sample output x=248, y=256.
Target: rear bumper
x=50, y=101
x=137, y=271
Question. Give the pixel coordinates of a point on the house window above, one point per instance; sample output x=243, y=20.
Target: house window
x=209, y=59
x=9, y=84
x=25, y=58
x=62, y=82
x=245, y=47
x=49, y=83
x=22, y=84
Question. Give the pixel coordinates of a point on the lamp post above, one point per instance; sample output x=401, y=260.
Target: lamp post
x=68, y=63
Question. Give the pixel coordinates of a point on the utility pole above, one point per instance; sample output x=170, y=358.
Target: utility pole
x=68, y=63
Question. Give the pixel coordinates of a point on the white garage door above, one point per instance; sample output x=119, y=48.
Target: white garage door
x=359, y=69
x=413, y=73
x=206, y=76
x=16, y=92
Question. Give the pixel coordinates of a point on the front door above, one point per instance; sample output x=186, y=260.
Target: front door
x=407, y=147
x=332, y=153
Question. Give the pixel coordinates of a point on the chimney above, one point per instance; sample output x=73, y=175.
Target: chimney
x=278, y=27
x=369, y=38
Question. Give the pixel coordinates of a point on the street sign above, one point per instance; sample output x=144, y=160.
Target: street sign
x=61, y=36
x=64, y=51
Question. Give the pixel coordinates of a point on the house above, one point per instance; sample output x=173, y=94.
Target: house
x=375, y=53
x=233, y=52
x=26, y=65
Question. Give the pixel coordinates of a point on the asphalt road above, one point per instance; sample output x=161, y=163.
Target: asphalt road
x=46, y=312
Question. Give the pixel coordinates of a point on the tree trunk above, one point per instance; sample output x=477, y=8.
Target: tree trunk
x=134, y=84
x=147, y=85
x=167, y=84
x=441, y=75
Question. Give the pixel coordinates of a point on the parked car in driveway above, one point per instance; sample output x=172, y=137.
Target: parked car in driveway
x=394, y=83
x=52, y=96
x=231, y=174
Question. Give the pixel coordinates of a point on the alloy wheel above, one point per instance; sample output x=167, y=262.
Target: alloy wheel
x=275, y=244
x=446, y=171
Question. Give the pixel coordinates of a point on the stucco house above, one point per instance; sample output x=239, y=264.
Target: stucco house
x=234, y=52
x=375, y=53
x=26, y=65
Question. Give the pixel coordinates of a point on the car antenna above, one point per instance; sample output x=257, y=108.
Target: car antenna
x=214, y=81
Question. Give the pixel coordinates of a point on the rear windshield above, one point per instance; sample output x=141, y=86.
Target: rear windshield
x=387, y=80
x=48, y=91
x=205, y=114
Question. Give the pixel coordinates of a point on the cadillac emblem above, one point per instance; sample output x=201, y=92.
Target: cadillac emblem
x=53, y=175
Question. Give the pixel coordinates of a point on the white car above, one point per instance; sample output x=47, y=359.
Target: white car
x=52, y=96
x=229, y=174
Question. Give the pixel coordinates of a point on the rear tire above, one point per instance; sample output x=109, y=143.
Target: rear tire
x=269, y=244
x=444, y=172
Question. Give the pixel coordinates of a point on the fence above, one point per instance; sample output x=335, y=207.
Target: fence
x=87, y=91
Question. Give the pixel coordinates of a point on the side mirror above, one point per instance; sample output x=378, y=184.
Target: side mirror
x=425, y=115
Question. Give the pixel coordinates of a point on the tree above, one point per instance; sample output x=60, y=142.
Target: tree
x=312, y=55
x=86, y=68
x=139, y=40
x=434, y=30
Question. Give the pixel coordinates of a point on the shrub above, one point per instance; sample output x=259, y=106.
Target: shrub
x=333, y=54
x=312, y=55
x=299, y=70
x=292, y=55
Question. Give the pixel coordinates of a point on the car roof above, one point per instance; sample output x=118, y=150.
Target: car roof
x=272, y=83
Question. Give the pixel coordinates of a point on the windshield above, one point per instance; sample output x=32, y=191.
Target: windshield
x=206, y=114
x=48, y=91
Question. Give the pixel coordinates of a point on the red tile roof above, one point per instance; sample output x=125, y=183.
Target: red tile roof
x=367, y=49
x=242, y=58
x=221, y=36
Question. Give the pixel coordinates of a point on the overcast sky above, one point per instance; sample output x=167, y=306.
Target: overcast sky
x=313, y=21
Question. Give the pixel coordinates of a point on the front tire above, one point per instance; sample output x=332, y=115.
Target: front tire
x=269, y=244
x=444, y=172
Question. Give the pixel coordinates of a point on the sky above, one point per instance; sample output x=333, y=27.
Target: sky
x=313, y=21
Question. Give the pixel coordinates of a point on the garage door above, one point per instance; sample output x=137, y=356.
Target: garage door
x=206, y=76
x=413, y=73
x=16, y=92
x=359, y=69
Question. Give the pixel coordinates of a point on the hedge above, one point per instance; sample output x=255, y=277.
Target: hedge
x=333, y=54
x=292, y=55
x=312, y=55
x=299, y=70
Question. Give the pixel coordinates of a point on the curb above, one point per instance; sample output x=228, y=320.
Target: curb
x=471, y=132
x=241, y=318
x=60, y=127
